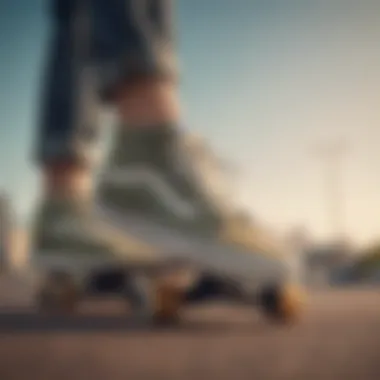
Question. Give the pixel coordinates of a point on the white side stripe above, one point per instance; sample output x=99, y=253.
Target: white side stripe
x=139, y=176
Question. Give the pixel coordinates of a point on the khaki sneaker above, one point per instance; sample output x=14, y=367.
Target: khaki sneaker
x=159, y=186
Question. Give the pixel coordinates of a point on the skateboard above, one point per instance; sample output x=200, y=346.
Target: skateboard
x=157, y=291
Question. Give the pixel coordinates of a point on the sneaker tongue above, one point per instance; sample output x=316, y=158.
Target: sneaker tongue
x=143, y=144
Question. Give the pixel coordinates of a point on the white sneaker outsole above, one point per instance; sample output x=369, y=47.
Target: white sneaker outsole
x=246, y=267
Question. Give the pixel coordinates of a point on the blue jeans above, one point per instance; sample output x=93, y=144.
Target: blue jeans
x=95, y=46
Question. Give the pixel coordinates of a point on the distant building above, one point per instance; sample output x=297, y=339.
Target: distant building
x=326, y=263
x=14, y=240
x=6, y=228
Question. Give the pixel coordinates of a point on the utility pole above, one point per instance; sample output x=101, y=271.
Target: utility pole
x=331, y=154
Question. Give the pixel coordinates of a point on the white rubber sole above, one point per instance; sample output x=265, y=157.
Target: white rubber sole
x=250, y=269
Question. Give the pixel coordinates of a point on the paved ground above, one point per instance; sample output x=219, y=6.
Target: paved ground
x=339, y=338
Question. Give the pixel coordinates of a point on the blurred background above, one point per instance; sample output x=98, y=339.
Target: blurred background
x=284, y=96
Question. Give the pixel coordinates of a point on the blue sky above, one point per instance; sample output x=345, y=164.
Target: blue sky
x=264, y=81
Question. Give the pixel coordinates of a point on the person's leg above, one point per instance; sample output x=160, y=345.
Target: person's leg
x=67, y=126
x=150, y=98
x=138, y=75
x=67, y=132
x=65, y=232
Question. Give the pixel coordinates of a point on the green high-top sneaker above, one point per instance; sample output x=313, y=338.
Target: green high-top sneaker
x=69, y=245
x=159, y=187
x=67, y=235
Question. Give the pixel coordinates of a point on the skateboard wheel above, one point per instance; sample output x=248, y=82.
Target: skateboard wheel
x=283, y=303
x=168, y=300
